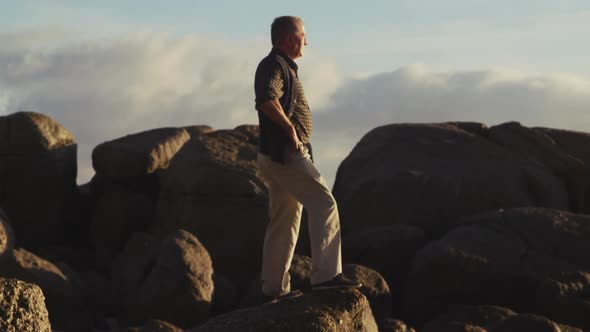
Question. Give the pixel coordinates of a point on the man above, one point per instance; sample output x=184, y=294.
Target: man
x=286, y=166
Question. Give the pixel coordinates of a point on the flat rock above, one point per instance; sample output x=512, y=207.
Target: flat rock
x=138, y=154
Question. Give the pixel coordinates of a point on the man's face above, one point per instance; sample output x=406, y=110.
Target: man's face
x=297, y=42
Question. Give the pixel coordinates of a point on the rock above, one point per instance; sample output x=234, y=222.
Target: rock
x=336, y=310
x=565, y=298
x=225, y=295
x=506, y=257
x=299, y=273
x=22, y=307
x=538, y=145
x=99, y=295
x=117, y=216
x=429, y=175
x=64, y=302
x=6, y=236
x=212, y=189
x=574, y=144
x=138, y=154
x=374, y=288
x=480, y=315
x=198, y=130
x=155, y=326
x=525, y=322
x=452, y=327
x=38, y=169
x=29, y=132
x=387, y=249
x=170, y=280
x=395, y=325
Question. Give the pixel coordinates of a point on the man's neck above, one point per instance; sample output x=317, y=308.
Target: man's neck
x=283, y=52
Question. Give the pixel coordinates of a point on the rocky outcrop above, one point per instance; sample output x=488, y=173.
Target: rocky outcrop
x=6, y=236
x=225, y=295
x=528, y=259
x=375, y=288
x=387, y=249
x=22, y=307
x=155, y=326
x=168, y=279
x=429, y=175
x=67, y=310
x=138, y=154
x=38, y=169
x=212, y=189
x=118, y=214
x=537, y=145
x=336, y=310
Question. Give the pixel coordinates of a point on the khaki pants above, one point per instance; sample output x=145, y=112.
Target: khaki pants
x=289, y=186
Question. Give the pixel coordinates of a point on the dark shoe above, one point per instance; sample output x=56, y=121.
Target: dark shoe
x=291, y=295
x=339, y=281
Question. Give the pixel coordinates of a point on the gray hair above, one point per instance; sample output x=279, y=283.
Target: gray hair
x=282, y=26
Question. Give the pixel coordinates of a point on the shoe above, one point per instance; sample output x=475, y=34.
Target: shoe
x=339, y=281
x=291, y=295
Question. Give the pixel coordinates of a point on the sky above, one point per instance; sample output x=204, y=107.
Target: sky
x=105, y=69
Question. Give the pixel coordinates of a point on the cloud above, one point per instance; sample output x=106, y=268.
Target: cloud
x=105, y=88
x=419, y=94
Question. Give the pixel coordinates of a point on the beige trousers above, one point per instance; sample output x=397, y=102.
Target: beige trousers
x=289, y=186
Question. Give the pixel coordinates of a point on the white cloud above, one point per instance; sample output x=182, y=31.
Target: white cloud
x=420, y=94
x=105, y=88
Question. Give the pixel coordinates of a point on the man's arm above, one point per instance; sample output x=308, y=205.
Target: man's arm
x=273, y=109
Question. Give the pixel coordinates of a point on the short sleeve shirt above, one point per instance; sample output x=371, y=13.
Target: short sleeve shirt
x=271, y=86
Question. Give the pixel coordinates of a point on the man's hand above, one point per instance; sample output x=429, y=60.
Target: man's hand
x=295, y=143
x=274, y=111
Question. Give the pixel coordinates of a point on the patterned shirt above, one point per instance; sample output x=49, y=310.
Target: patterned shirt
x=274, y=88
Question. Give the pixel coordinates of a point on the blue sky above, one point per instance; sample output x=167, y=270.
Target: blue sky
x=105, y=69
x=363, y=36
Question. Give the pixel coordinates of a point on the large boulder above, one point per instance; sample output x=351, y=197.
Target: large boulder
x=387, y=249
x=6, y=236
x=428, y=175
x=212, y=189
x=64, y=301
x=374, y=287
x=574, y=144
x=22, y=307
x=529, y=259
x=38, y=169
x=154, y=326
x=538, y=145
x=336, y=310
x=117, y=215
x=168, y=279
x=138, y=154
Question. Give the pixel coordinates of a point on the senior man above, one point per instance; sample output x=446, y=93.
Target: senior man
x=287, y=168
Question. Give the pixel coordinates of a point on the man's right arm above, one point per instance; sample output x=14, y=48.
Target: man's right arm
x=274, y=111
